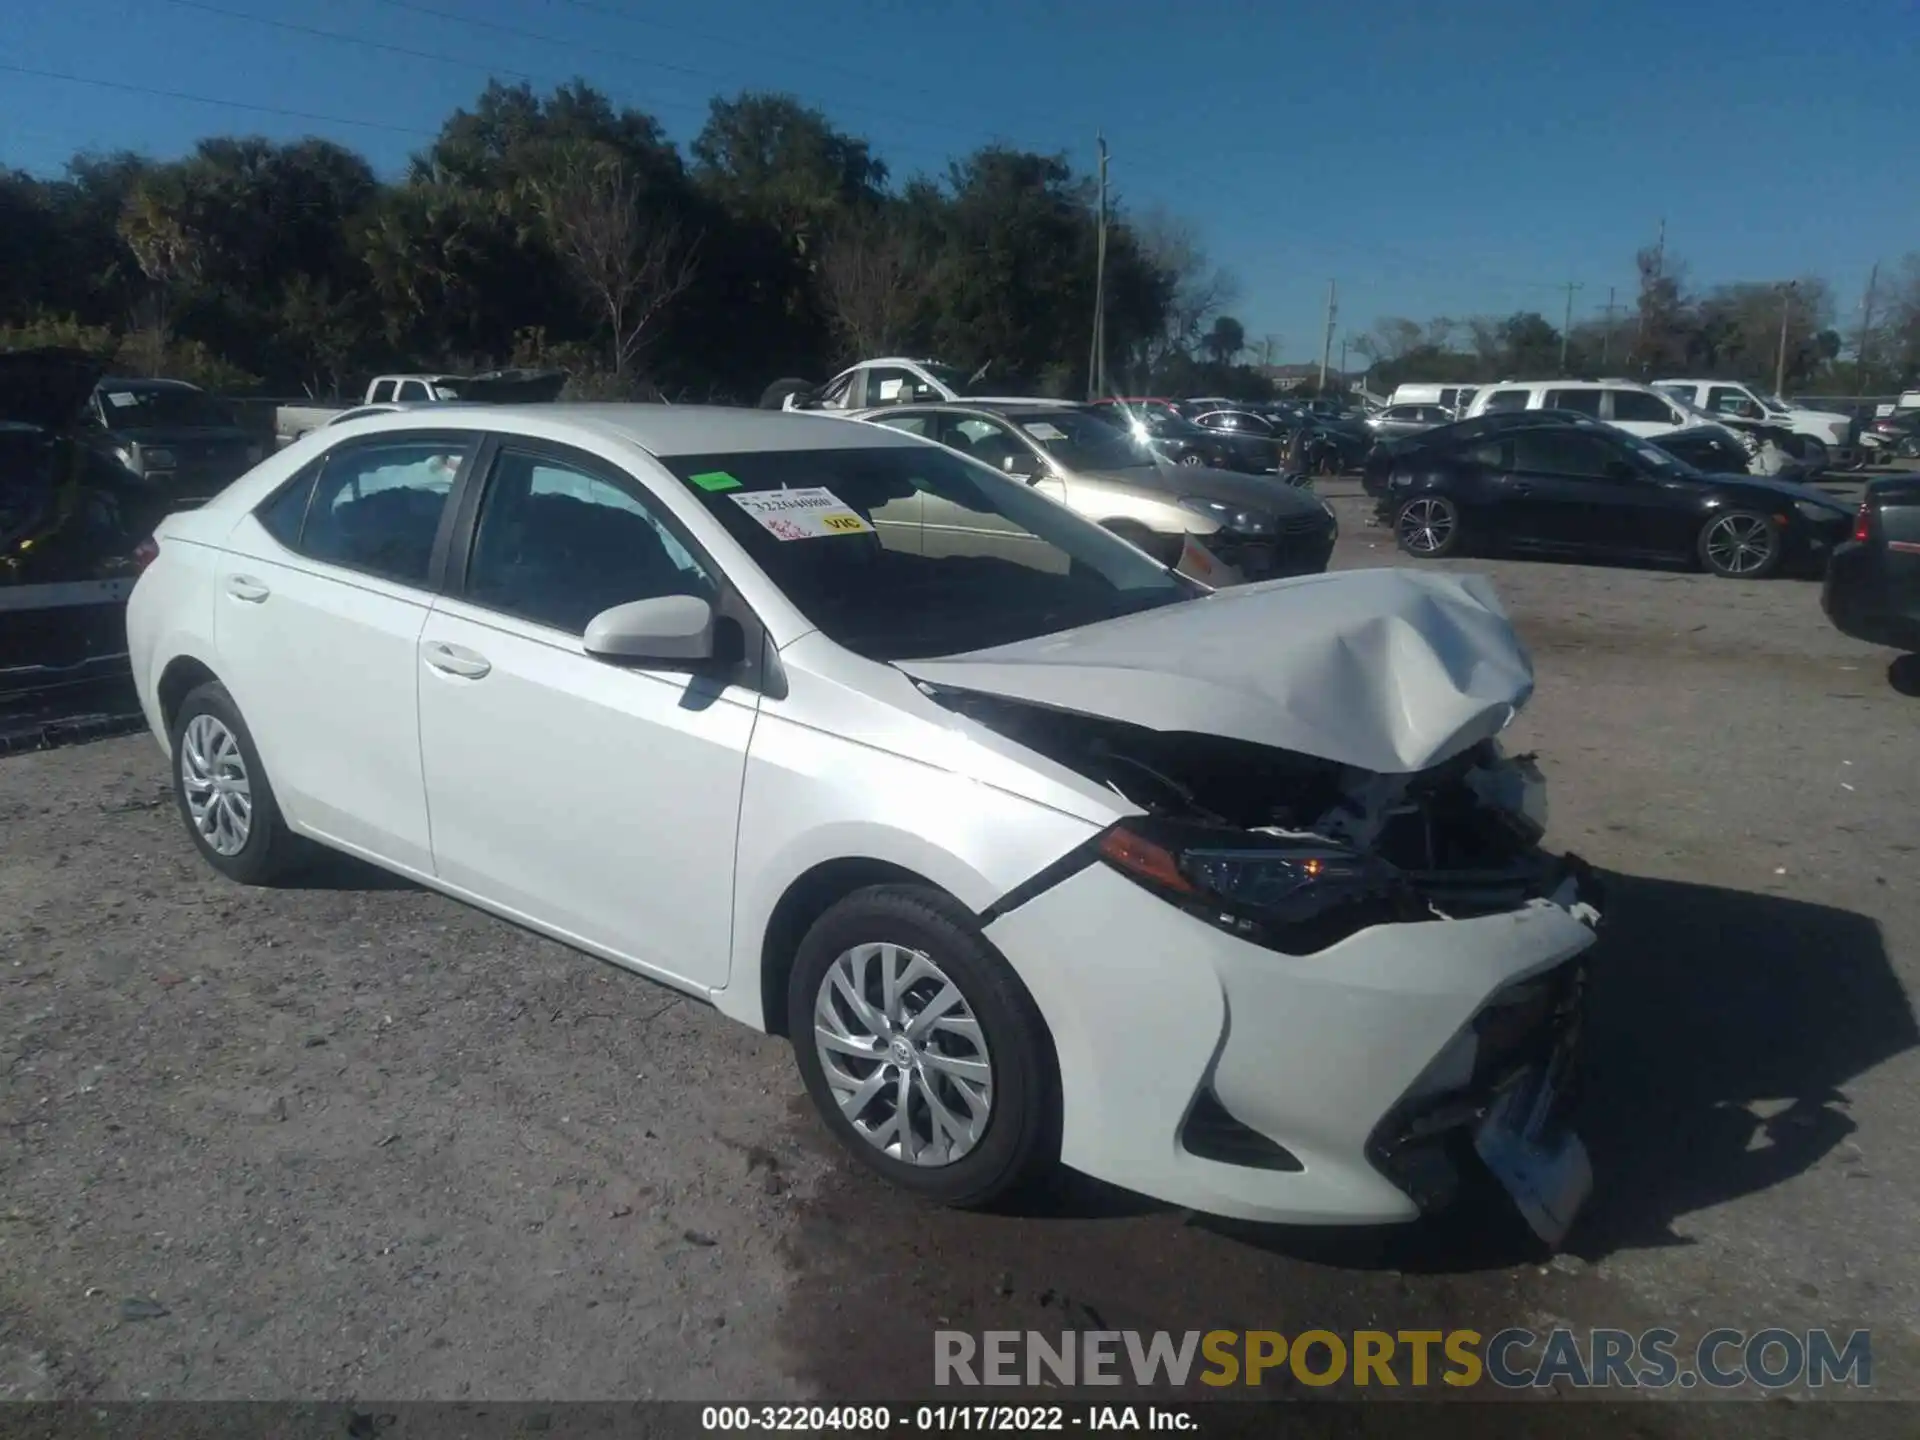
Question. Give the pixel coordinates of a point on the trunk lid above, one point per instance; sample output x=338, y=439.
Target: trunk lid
x=46, y=388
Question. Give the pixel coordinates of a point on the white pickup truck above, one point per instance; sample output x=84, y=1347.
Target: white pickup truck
x=495, y=387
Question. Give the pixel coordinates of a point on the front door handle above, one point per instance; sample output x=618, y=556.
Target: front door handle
x=245, y=587
x=456, y=660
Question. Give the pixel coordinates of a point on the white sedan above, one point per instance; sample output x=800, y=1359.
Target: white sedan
x=1038, y=851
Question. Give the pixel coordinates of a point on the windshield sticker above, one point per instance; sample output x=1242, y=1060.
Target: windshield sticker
x=123, y=397
x=890, y=389
x=1041, y=430
x=714, y=480
x=812, y=513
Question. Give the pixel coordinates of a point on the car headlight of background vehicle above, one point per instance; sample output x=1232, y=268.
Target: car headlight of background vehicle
x=1231, y=517
x=127, y=456
x=1297, y=895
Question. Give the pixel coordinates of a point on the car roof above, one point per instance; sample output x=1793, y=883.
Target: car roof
x=660, y=430
x=141, y=382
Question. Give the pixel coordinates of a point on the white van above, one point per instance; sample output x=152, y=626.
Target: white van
x=1638, y=409
x=1451, y=398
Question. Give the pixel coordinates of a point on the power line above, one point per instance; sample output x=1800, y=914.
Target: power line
x=210, y=100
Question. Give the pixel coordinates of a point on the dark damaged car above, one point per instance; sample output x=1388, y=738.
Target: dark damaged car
x=173, y=433
x=74, y=525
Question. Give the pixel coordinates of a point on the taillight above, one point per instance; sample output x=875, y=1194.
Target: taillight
x=1862, y=521
x=145, y=553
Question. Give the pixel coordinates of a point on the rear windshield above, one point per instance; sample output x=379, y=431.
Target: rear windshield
x=912, y=551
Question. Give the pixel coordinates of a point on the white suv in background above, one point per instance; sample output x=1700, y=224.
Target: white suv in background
x=1637, y=409
x=1743, y=402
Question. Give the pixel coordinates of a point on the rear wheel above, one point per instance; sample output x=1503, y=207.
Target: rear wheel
x=921, y=1049
x=1194, y=458
x=225, y=799
x=1741, y=545
x=774, y=397
x=1428, y=526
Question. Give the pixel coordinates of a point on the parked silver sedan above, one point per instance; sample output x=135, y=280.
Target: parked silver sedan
x=1399, y=420
x=1248, y=527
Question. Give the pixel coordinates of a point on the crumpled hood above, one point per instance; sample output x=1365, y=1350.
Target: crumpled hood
x=1391, y=671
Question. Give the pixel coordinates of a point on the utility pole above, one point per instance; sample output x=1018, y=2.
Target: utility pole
x=1566, y=325
x=1326, y=349
x=1097, y=362
x=1659, y=269
x=1606, y=336
x=1343, y=355
x=1866, y=329
x=1786, y=309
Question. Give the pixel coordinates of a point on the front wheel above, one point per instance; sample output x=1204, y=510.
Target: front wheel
x=1193, y=458
x=1741, y=545
x=1909, y=448
x=921, y=1049
x=1428, y=526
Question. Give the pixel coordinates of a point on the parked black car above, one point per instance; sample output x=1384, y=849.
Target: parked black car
x=73, y=526
x=177, y=434
x=1873, y=582
x=1592, y=490
x=1387, y=454
x=1185, y=443
x=1706, y=449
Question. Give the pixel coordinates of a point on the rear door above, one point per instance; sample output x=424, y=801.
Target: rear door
x=321, y=595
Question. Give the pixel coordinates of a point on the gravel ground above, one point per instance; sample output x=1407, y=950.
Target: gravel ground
x=353, y=1139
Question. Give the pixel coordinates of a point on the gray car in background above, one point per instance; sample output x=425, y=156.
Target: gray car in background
x=1255, y=527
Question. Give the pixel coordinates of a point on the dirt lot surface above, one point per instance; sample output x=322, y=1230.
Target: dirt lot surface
x=353, y=1139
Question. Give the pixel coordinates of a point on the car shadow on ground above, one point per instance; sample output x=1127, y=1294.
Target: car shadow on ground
x=332, y=870
x=1723, y=1027
x=1904, y=675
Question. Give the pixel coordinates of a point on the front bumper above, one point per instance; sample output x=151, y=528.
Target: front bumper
x=1174, y=1038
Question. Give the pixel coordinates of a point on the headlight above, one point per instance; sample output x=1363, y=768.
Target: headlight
x=125, y=455
x=158, y=459
x=1295, y=895
x=1810, y=511
x=1231, y=517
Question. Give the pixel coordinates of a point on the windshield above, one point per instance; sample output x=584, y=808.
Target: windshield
x=139, y=407
x=1080, y=442
x=911, y=551
x=1656, y=459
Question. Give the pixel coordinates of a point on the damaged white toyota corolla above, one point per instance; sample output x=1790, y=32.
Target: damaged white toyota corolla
x=1036, y=850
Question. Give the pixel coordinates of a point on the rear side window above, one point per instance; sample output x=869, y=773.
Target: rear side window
x=283, y=515
x=1637, y=405
x=381, y=393
x=377, y=507
x=1501, y=400
x=1586, y=401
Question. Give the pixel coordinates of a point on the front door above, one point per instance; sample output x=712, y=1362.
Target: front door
x=319, y=602
x=599, y=800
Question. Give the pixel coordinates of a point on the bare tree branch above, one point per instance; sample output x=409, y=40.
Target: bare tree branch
x=871, y=284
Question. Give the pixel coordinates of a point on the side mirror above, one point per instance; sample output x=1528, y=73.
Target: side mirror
x=670, y=629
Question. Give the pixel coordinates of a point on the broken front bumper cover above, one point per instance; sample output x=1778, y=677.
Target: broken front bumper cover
x=1165, y=1025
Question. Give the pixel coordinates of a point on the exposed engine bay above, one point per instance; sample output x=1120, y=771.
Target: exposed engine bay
x=1464, y=834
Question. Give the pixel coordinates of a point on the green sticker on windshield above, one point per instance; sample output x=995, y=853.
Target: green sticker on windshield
x=714, y=480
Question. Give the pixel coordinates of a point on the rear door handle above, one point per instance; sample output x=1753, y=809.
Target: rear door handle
x=245, y=587
x=456, y=660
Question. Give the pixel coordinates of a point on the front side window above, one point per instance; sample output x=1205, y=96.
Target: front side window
x=1728, y=400
x=806, y=518
x=411, y=390
x=1503, y=400
x=377, y=507
x=921, y=425
x=381, y=394
x=986, y=441
x=1080, y=442
x=1571, y=453
x=1637, y=405
x=557, y=544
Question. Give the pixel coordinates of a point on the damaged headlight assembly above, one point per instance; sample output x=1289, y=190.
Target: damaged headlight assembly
x=1295, y=894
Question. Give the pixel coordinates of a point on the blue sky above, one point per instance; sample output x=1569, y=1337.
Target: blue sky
x=1435, y=159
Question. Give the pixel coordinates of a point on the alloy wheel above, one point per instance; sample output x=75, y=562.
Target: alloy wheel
x=213, y=773
x=1426, y=526
x=903, y=1054
x=1740, y=544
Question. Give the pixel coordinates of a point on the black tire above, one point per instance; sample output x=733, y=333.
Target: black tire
x=270, y=850
x=774, y=397
x=1428, y=527
x=1726, y=545
x=1020, y=1141
x=1909, y=448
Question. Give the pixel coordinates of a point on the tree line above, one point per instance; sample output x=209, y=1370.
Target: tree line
x=1670, y=328
x=561, y=229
